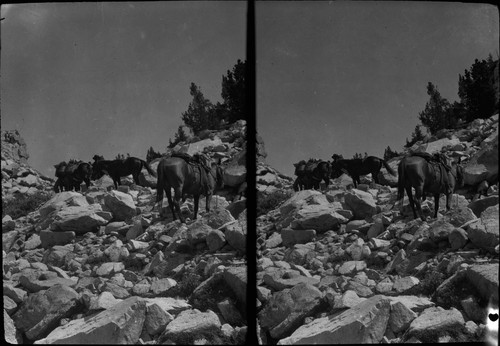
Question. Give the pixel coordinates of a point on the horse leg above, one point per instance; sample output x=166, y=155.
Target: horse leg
x=436, y=204
x=410, y=199
x=196, y=204
x=177, y=202
x=418, y=196
x=169, y=199
x=208, y=198
x=375, y=176
x=356, y=181
x=448, y=201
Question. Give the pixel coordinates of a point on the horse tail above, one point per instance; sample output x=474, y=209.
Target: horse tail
x=148, y=167
x=401, y=180
x=159, y=184
x=389, y=169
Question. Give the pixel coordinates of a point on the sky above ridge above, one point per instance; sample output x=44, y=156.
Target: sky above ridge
x=79, y=79
x=347, y=77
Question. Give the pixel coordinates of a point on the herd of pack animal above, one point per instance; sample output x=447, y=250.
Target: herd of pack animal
x=193, y=175
x=197, y=175
x=426, y=173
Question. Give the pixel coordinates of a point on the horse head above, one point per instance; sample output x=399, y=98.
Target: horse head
x=335, y=170
x=98, y=158
x=337, y=157
x=97, y=170
x=299, y=167
x=60, y=168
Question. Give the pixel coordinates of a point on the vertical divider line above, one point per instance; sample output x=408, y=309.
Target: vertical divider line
x=251, y=157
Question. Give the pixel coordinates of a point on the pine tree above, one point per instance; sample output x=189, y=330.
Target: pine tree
x=436, y=115
x=200, y=113
x=234, y=94
x=476, y=89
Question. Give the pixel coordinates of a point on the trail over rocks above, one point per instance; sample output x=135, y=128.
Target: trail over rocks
x=100, y=266
x=374, y=273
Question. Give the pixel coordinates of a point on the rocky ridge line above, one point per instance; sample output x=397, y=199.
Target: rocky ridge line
x=101, y=267
x=340, y=260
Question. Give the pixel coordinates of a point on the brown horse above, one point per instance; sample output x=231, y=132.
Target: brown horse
x=427, y=177
x=309, y=174
x=71, y=175
x=357, y=167
x=187, y=178
x=120, y=168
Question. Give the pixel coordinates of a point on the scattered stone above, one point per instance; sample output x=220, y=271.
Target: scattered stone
x=369, y=319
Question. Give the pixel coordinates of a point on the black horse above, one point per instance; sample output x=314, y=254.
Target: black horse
x=300, y=171
x=427, y=176
x=187, y=178
x=120, y=168
x=357, y=167
x=70, y=175
x=310, y=174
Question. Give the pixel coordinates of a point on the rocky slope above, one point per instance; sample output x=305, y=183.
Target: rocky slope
x=349, y=265
x=101, y=266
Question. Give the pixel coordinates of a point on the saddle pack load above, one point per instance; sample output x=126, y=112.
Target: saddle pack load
x=311, y=173
x=442, y=170
x=201, y=163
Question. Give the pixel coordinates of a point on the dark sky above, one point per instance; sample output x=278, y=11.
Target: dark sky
x=347, y=77
x=79, y=79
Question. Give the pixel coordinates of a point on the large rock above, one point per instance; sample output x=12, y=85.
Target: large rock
x=485, y=279
x=483, y=165
x=485, y=233
x=63, y=200
x=294, y=203
x=121, y=205
x=120, y=324
x=361, y=203
x=291, y=237
x=283, y=279
x=236, y=237
x=42, y=311
x=200, y=146
x=197, y=232
x=459, y=216
x=157, y=318
x=236, y=278
x=215, y=240
x=440, y=230
x=49, y=238
x=435, y=322
x=235, y=175
x=437, y=146
x=80, y=219
x=480, y=205
x=191, y=325
x=364, y=323
x=11, y=334
x=414, y=303
x=286, y=309
x=218, y=218
x=401, y=316
x=14, y=147
x=318, y=217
